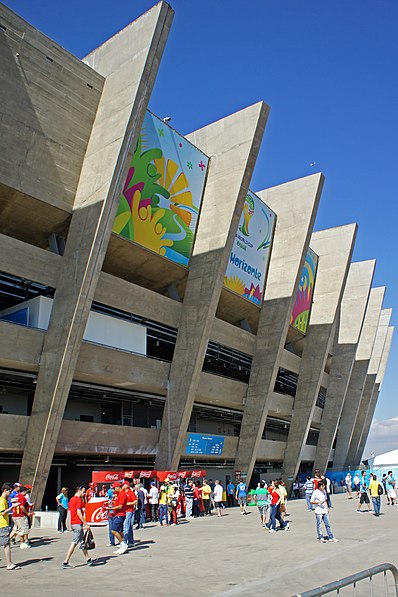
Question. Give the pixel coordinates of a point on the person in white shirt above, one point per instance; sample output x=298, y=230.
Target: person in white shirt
x=348, y=485
x=319, y=500
x=153, y=497
x=218, y=491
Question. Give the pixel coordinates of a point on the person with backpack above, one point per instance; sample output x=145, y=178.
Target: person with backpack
x=376, y=490
x=363, y=493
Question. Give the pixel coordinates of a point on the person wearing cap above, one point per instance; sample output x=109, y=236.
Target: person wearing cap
x=91, y=491
x=163, y=510
x=130, y=507
x=119, y=515
x=153, y=497
x=20, y=514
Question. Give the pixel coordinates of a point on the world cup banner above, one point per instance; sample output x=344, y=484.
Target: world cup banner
x=248, y=262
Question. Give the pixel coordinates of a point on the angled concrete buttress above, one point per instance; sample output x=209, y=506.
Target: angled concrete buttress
x=334, y=248
x=375, y=393
x=232, y=145
x=129, y=63
x=295, y=204
x=374, y=364
x=358, y=376
x=351, y=317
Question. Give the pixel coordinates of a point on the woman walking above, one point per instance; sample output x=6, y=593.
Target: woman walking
x=62, y=507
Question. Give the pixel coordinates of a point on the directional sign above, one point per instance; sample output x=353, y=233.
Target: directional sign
x=212, y=445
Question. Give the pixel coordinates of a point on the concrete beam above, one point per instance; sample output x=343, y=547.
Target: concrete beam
x=334, y=248
x=295, y=204
x=129, y=63
x=352, y=313
x=376, y=392
x=367, y=405
x=232, y=145
x=358, y=376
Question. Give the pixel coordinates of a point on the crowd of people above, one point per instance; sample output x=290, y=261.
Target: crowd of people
x=130, y=504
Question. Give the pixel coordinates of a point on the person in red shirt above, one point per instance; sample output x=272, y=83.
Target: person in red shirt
x=91, y=491
x=274, y=511
x=20, y=514
x=78, y=523
x=119, y=505
x=129, y=518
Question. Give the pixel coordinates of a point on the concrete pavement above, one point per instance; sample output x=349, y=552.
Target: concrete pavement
x=219, y=557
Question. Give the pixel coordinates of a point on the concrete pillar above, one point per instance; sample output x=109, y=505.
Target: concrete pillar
x=366, y=400
x=358, y=376
x=129, y=63
x=295, y=204
x=352, y=313
x=334, y=248
x=232, y=145
x=376, y=392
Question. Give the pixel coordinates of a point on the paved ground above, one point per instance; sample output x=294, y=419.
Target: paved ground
x=230, y=556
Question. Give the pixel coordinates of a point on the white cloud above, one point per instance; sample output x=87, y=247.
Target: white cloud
x=383, y=437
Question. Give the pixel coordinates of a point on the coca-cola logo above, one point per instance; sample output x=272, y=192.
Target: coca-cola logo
x=99, y=515
x=182, y=475
x=111, y=477
x=195, y=473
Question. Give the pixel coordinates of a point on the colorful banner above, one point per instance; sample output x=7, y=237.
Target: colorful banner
x=162, y=195
x=302, y=306
x=248, y=261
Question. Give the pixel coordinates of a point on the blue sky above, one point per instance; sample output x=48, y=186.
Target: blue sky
x=328, y=71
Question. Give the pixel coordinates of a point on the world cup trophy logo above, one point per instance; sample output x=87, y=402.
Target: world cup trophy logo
x=248, y=211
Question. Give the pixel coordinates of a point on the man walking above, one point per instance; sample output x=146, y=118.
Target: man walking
x=129, y=518
x=119, y=514
x=363, y=493
x=5, y=528
x=20, y=514
x=376, y=490
x=218, y=491
x=309, y=488
x=78, y=523
x=261, y=498
x=390, y=485
x=241, y=496
x=319, y=500
x=348, y=485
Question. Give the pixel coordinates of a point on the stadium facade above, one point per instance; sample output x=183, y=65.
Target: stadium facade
x=155, y=312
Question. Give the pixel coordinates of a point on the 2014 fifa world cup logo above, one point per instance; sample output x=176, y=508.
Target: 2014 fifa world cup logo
x=248, y=211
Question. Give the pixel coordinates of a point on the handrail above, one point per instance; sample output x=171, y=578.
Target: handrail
x=352, y=579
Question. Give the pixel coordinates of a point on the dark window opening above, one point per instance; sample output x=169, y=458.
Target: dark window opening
x=320, y=401
x=286, y=382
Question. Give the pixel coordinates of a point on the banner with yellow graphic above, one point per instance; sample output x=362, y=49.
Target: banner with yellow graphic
x=162, y=195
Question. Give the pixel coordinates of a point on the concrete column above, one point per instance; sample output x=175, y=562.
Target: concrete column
x=366, y=400
x=334, y=248
x=295, y=204
x=352, y=313
x=358, y=376
x=129, y=63
x=232, y=145
x=376, y=392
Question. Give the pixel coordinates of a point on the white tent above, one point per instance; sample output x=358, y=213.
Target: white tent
x=386, y=459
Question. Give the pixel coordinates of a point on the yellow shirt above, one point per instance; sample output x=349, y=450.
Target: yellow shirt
x=162, y=498
x=206, y=491
x=373, y=487
x=4, y=518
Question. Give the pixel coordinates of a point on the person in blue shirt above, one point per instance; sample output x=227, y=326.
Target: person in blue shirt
x=390, y=486
x=109, y=495
x=241, y=496
x=62, y=507
x=230, y=494
x=363, y=493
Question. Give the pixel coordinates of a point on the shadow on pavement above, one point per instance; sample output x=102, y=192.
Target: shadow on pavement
x=34, y=561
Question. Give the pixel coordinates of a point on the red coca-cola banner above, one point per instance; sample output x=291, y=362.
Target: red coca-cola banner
x=112, y=476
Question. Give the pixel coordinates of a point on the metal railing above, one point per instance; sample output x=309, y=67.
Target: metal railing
x=353, y=580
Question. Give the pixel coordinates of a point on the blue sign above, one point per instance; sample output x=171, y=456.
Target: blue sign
x=211, y=445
